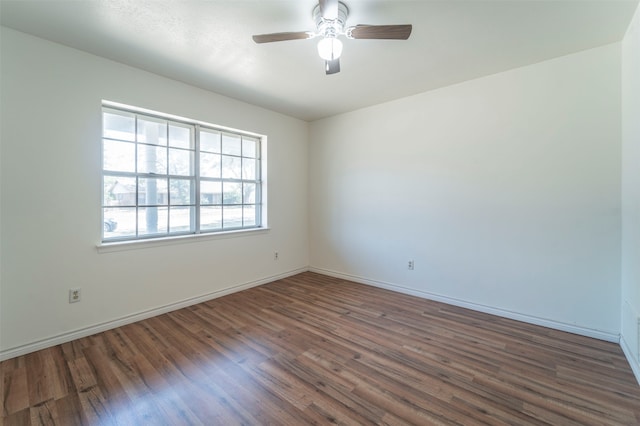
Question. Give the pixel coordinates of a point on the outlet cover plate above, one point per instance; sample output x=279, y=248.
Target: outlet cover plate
x=74, y=295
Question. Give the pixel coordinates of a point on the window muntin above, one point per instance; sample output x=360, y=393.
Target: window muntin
x=163, y=177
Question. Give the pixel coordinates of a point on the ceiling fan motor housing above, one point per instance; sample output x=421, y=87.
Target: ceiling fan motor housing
x=331, y=27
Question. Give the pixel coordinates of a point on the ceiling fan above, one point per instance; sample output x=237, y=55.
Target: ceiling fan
x=330, y=17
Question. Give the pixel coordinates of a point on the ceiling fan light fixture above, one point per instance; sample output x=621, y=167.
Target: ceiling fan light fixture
x=329, y=48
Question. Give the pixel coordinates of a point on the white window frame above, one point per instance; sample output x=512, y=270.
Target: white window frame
x=196, y=228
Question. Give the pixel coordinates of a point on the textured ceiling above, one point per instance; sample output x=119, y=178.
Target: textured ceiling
x=208, y=43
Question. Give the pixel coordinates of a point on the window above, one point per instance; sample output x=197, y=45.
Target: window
x=164, y=177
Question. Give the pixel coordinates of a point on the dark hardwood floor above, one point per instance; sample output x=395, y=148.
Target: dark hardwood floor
x=311, y=349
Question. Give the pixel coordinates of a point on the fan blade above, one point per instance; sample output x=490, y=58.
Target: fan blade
x=388, y=32
x=332, y=67
x=329, y=9
x=268, y=38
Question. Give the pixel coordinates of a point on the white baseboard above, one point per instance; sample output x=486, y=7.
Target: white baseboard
x=583, y=331
x=97, y=328
x=633, y=361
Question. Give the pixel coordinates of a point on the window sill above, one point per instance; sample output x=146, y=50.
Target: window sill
x=115, y=246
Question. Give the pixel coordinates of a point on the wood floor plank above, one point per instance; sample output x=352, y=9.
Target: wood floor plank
x=207, y=397
x=95, y=407
x=15, y=391
x=47, y=376
x=45, y=413
x=312, y=349
x=109, y=397
x=19, y=418
x=69, y=408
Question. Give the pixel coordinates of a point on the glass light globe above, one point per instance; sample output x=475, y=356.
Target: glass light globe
x=329, y=48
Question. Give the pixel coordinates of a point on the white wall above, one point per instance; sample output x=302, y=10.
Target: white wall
x=631, y=193
x=50, y=197
x=504, y=190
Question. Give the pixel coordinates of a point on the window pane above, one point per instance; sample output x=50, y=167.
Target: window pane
x=180, y=162
x=152, y=191
x=152, y=131
x=119, y=191
x=248, y=168
x=118, y=156
x=249, y=216
x=249, y=147
x=119, y=222
x=210, y=141
x=182, y=219
x=152, y=159
x=210, y=192
x=182, y=192
x=180, y=136
x=210, y=165
x=108, y=197
x=231, y=144
x=232, y=193
x=249, y=193
x=231, y=167
x=119, y=125
x=210, y=218
x=152, y=220
x=232, y=217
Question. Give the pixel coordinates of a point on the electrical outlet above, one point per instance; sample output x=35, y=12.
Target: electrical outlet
x=410, y=265
x=74, y=295
x=275, y=255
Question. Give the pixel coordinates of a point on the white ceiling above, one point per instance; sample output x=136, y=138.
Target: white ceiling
x=208, y=43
